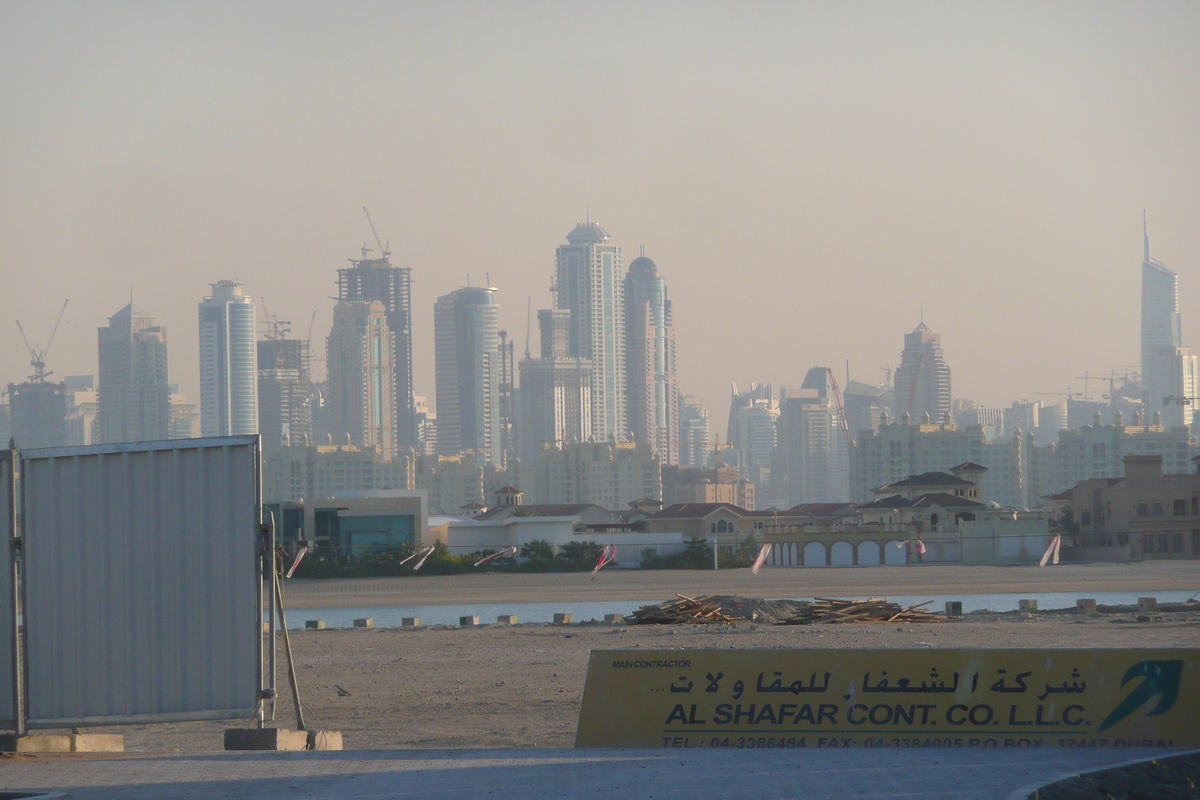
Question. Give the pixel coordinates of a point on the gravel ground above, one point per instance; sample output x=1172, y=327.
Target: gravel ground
x=520, y=686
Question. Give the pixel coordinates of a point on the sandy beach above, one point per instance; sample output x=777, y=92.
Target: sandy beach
x=499, y=686
x=656, y=585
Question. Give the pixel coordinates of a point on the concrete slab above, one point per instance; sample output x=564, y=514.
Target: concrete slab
x=319, y=739
x=265, y=739
x=97, y=743
x=878, y=774
x=35, y=743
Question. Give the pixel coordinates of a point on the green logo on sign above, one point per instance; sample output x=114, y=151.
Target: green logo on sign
x=1161, y=681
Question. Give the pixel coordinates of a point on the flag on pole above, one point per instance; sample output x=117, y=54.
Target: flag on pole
x=428, y=552
x=763, y=552
x=423, y=550
x=920, y=547
x=606, y=555
x=299, y=557
x=511, y=550
x=1051, y=551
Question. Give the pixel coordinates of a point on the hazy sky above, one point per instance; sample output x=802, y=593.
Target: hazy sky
x=805, y=175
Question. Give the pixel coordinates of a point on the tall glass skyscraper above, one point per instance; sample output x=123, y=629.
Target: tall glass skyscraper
x=653, y=391
x=589, y=284
x=358, y=391
x=923, y=380
x=467, y=360
x=228, y=362
x=1161, y=335
x=376, y=279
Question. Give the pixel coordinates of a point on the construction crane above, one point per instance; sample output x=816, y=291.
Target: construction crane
x=37, y=358
x=528, y=319
x=384, y=252
x=841, y=408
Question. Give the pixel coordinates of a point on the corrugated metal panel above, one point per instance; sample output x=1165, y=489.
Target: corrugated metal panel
x=141, y=581
x=7, y=620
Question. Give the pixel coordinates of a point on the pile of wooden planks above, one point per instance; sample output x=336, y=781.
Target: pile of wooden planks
x=875, y=609
x=701, y=610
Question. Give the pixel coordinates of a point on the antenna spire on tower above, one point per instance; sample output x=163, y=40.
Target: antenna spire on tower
x=1145, y=236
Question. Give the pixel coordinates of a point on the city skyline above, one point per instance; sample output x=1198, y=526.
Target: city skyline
x=991, y=163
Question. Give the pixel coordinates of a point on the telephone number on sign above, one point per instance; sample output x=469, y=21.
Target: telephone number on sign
x=761, y=742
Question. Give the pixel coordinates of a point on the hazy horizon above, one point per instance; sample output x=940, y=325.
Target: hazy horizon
x=806, y=176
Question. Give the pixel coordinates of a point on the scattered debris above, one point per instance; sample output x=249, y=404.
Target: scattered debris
x=875, y=609
x=702, y=610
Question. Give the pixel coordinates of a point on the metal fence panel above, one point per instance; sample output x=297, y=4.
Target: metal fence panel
x=141, y=581
x=7, y=611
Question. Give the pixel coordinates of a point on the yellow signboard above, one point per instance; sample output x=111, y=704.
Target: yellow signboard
x=891, y=698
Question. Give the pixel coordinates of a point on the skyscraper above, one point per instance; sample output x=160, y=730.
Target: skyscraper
x=589, y=284
x=694, y=436
x=284, y=390
x=653, y=390
x=923, y=379
x=228, y=362
x=1168, y=368
x=554, y=403
x=468, y=371
x=812, y=448
x=376, y=279
x=358, y=390
x=134, y=396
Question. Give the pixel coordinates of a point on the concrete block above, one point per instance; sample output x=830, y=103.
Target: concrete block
x=364, y=622
x=1027, y=605
x=614, y=617
x=954, y=608
x=507, y=619
x=265, y=739
x=1148, y=605
x=319, y=739
x=410, y=622
x=469, y=620
x=315, y=624
x=1087, y=606
x=12, y=743
x=563, y=619
x=97, y=743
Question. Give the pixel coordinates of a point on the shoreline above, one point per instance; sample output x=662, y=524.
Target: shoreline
x=777, y=582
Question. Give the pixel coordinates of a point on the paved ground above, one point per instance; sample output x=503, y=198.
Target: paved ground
x=600, y=774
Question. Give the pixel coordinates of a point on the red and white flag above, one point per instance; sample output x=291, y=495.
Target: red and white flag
x=606, y=556
x=303, y=551
x=763, y=552
x=1051, y=551
x=920, y=547
x=423, y=551
x=511, y=550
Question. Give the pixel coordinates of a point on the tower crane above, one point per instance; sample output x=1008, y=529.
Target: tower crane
x=37, y=358
x=841, y=408
x=384, y=252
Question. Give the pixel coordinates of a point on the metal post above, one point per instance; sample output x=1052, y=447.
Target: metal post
x=714, y=544
x=14, y=552
x=287, y=650
x=274, y=568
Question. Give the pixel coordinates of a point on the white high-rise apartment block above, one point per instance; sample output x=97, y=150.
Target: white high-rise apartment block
x=228, y=362
x=589, y=284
